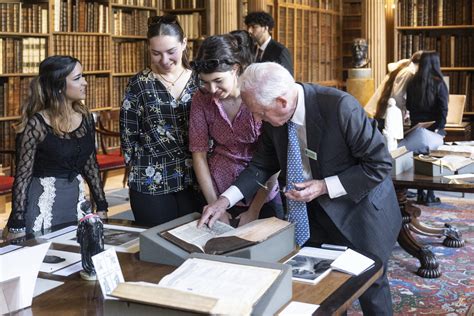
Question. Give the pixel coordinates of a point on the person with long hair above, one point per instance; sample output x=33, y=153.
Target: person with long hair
x=154, y=128
x=427, y=100
x=427, y=93
x=55, y=149
x=220, y=118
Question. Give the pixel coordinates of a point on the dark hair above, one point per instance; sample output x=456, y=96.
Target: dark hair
x=47, y=92
x=219, y=53
x=167, y=25
x=425, y=81
x=261, y=18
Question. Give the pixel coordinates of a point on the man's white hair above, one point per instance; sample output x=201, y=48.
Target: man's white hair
x=266, y=82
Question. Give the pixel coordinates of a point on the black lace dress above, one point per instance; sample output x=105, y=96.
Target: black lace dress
x=50, y=172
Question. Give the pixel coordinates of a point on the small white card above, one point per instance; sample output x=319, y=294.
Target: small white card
x=109, y=273
x=299, y=309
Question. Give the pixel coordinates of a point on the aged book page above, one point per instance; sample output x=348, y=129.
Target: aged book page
x=204, y=286
x=221, y=280
x=259, y=230
x=199, y=236
x=223, y=238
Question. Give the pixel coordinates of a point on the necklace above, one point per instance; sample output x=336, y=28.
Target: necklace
x=171, y=83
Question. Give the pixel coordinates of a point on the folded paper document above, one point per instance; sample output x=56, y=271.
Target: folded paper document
x=223, y=238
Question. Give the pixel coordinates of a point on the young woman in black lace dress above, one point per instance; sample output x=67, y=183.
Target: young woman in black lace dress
x=55, y=151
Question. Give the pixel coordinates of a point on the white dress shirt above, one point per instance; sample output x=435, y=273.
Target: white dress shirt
x=333, y=184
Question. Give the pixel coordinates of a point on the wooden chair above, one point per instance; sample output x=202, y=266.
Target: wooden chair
x=6, y=182
x=455, y=128
x=109, y=155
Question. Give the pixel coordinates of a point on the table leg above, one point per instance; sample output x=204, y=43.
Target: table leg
x=453, y=235
x=428, y=263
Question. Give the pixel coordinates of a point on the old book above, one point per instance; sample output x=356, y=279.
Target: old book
x=205, y=286
x=447, y=165
x=223, y=238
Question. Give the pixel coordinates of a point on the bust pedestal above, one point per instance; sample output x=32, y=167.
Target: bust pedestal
x=360, y=84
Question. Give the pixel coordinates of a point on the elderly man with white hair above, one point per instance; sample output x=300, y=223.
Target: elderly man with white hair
x=337, y=178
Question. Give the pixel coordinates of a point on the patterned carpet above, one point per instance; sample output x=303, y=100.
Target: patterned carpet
x=453, y=292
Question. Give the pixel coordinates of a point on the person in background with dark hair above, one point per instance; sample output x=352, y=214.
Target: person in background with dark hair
x=55, y=148
x=427, y=100
x=219, y=116
x=154, y=128
x=260, y=24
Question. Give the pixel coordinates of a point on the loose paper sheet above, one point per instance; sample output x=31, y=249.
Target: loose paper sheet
x=299, y=309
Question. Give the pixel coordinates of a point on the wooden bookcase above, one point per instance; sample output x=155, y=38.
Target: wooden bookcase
x=109, y=37
x=193, y=17
x=351, y=29
x=311, y=30
x=446, y=26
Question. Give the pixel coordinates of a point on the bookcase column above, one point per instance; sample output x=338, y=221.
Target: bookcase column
x=257, y=5
x=375, y=34
x=226, y=16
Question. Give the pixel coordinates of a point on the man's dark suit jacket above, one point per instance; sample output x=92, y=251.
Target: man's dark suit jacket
x=348, y=145
x=278, y=53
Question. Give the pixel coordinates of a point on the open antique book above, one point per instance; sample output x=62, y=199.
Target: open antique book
x=452, y=162
x=204, y=286
x=223, y=238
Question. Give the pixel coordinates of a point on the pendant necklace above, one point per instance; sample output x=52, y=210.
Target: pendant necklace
x=171, y=83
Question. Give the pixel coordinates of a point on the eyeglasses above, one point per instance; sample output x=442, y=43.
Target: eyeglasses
x=208, y=64
x=165, y=19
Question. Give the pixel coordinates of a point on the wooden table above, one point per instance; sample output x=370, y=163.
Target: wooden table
x=429, y=266
x=335, y=293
